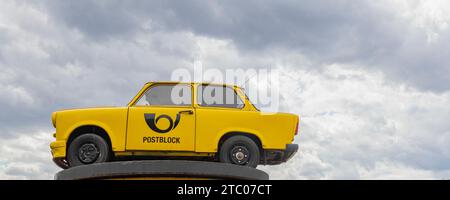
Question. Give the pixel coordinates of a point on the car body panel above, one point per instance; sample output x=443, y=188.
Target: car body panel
x=111, y=119
x=139, y=134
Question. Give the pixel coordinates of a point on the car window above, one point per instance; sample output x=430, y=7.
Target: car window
x=167, y=95
x=218, y=96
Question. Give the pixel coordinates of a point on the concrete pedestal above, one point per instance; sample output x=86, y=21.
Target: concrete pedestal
x=162, y=170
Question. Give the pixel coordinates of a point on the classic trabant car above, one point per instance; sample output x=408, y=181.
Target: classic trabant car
x=166, y=121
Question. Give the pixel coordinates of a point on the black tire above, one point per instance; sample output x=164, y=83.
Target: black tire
x=87, y=149
x=229, y=151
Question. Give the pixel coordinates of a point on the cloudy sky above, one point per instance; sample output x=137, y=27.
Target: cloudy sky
x=369, y=79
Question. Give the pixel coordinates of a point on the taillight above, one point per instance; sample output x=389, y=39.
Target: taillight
x=296, y=128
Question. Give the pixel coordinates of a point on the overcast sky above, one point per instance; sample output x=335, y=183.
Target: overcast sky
x=369, y=79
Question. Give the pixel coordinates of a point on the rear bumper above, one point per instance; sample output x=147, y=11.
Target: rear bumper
x=274, y=157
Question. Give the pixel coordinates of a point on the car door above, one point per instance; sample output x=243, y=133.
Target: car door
x=163, y=119
x=218, y=109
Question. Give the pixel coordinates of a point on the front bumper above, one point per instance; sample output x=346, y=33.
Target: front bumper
x=61, y=162
x=275, y=157
x=58, y=149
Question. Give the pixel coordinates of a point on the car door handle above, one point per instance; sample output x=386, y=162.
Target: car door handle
x=189, y=112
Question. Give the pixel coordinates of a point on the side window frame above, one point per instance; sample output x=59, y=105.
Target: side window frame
x=170, y=106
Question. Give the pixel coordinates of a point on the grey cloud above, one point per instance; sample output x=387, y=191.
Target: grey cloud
x=326, y=31
x=366, y=127
x=315, y=26
x=99, y=18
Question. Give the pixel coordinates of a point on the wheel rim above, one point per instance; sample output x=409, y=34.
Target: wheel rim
x=240, y=155
x=88, y=153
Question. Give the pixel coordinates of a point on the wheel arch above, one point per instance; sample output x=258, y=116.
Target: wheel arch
x=90, y=128
x=252, y=136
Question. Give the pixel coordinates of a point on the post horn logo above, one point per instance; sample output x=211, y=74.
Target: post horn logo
x=152, y=121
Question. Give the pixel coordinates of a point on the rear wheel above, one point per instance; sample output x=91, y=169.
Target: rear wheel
x=240, y=150
x=87, y=149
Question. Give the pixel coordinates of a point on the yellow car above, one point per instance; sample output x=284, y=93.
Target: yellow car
x=166, y=121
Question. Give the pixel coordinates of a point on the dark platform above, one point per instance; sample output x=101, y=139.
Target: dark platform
x=162, y=169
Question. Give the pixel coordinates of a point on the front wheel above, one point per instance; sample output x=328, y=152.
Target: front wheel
x=87, y=149
x=240, y=150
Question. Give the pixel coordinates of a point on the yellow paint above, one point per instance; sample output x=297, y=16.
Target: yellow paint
x=199, y=133
x=138, y=129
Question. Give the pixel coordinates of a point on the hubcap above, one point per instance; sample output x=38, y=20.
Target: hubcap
x=240, y=155
x=88, y=153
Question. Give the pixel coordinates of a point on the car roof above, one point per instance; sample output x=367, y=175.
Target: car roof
x=200, y=83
